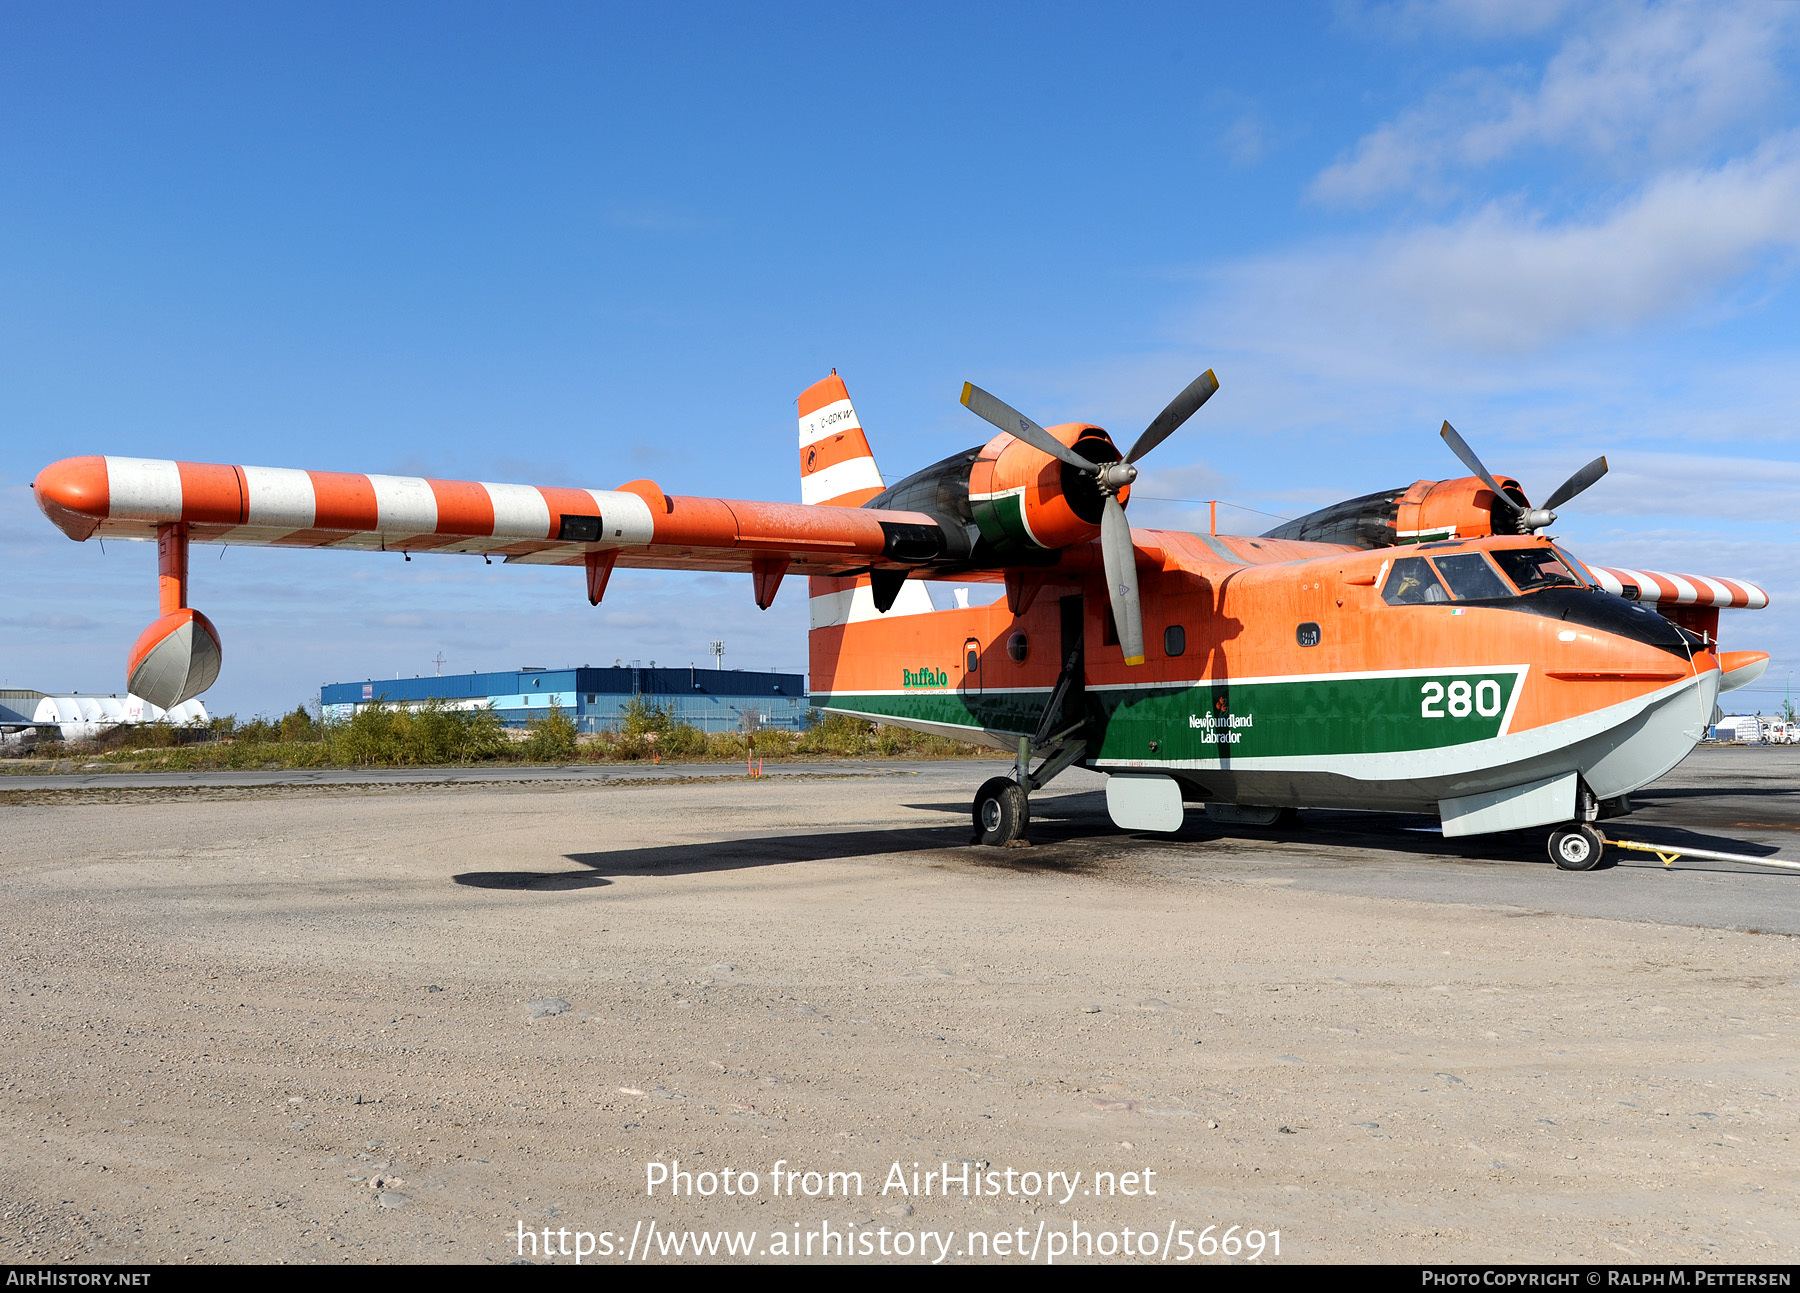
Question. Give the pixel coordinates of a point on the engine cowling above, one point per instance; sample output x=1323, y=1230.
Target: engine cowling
x=1022, y=497
x=1464, y=508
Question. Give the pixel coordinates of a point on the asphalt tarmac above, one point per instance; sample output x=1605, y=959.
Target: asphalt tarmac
x=1726, y=799
x=408, y=1016
x=483, y=775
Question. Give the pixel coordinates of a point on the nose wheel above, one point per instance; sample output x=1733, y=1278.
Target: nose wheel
x=1002, y=811
x=1577, y=848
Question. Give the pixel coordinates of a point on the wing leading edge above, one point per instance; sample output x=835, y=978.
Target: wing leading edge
x=637, y=524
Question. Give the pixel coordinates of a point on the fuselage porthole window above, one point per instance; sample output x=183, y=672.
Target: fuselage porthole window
x=1308, y=634
x=1174, y=640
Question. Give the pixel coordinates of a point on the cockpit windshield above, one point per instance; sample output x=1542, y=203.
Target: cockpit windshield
x=1535, y=568
x=1471, y=578
x=1577, y=569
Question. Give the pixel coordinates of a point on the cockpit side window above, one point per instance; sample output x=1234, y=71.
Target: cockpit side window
x=1471, y=578
x=1576, y=568
x=1535, y=568
x=1412, y=582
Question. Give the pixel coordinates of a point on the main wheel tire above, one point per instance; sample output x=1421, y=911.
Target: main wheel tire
x=1577, y=848
x=1002, y=811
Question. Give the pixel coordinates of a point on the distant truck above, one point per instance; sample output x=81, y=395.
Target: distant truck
x=1754, y=729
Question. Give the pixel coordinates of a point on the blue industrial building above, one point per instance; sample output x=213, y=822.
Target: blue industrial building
x=713, y=700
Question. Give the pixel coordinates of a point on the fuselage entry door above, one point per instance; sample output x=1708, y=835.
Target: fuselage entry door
x=972, y=666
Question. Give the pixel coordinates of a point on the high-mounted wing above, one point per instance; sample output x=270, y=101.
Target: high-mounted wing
x=175, y=503
x=636, y=525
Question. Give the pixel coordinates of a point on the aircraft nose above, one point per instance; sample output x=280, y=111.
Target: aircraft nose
x=74, y=494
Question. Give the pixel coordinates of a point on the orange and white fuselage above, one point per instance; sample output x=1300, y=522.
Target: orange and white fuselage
x=1277, y=675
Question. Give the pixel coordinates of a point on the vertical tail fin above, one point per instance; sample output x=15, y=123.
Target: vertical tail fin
x=836, y=466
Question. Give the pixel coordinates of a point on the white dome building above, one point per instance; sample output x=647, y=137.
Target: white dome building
x=85, y=717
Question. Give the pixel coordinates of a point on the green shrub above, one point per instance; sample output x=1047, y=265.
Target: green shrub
x=681, y=741
x=838, y=735
x=299, y=726
x=646, y=729
x=387, y=735
x=552, y=736
x=258, y=731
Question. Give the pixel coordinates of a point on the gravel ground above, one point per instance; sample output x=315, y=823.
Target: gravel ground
x=361, y=1023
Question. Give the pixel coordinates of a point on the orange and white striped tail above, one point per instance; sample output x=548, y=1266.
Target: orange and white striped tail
x=838, y=468
x=836, y=465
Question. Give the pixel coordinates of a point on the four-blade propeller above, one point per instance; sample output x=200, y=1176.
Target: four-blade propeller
x=1111, y=477
x=1530, y=519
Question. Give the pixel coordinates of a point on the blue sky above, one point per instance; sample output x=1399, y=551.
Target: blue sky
x=585, y=244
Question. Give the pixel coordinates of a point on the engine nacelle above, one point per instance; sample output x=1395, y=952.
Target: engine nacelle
x=175, y=659
x=1463, y=508
x=1022, y=497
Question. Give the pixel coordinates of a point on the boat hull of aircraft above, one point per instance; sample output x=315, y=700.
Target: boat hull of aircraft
x=1614, y=750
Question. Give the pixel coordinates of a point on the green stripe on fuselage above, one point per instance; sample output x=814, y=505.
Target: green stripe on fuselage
x=1242, y=720
x=994, y=711
x=1253, y=720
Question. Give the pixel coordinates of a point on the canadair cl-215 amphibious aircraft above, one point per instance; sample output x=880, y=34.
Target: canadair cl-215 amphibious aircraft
x=1424, y=649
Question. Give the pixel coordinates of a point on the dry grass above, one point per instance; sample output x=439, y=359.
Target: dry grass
x=435, y=736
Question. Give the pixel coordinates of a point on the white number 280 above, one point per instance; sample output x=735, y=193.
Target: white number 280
x=1459, y=699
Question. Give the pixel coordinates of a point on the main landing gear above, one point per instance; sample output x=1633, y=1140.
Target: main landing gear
x=1003, y=804
x=1002, y=811
x=1002, y=808
x=1577, y=847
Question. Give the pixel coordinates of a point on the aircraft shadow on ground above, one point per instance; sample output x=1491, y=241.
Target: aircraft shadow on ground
x=1073, y=833
x=1710, y=792
x=1412, y=834
x=720, y=855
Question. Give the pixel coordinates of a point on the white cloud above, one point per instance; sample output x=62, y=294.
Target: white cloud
x=1728, y=489
x=1637, y=82
x=1507, y=281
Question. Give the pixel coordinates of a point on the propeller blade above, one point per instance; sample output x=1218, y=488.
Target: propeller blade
x=1121, y=579
x=1576, y=483
x=1010, y=420
x=1460, y=448
x=1180, y=409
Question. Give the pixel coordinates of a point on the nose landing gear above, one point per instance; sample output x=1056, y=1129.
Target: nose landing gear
x=1577, y=848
